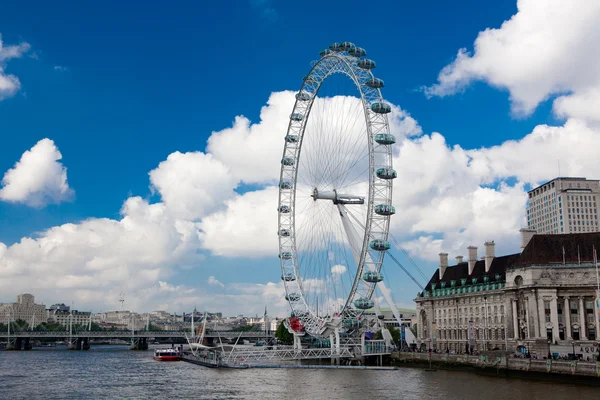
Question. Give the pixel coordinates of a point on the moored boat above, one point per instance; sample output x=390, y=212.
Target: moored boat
x=167, y=355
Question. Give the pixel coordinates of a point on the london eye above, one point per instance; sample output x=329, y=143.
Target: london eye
x=335, y=192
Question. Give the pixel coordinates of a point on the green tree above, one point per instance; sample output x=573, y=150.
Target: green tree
x=19, y=325
x=395, y=332
x=413, y=329
x=245, y=328
x=153, y=328
x=283, y=336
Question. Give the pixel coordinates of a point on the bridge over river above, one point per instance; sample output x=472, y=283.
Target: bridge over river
x=80, y=340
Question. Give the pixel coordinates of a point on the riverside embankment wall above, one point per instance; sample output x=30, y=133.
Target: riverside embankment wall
x=506, y=365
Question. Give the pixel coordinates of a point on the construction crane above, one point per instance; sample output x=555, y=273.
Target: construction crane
x=124, y=292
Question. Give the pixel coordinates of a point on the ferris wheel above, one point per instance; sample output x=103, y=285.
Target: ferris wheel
x=335, y=192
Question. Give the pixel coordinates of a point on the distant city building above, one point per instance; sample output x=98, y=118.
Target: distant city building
x=60, y=307
x=408, y=317
x=122, y=318
x=537, y=301
x=564, y=205
x=24, y=309
x=65, y=318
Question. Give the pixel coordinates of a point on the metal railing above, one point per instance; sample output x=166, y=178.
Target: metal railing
x=129, y=334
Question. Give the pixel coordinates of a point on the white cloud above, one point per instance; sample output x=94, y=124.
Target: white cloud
x=38, y=178
x=60, y=68
x=246, y=228
x=193, y=184
x=214, y=281
x=338, y=269
x=10, y=84
x=547, y=48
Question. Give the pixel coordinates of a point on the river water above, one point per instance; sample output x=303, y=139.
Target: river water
x=113, y=372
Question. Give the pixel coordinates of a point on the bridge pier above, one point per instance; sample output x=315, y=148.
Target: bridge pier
x=79, y=343
x=139, y=343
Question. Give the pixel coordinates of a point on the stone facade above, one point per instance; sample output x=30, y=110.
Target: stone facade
x=24, y=309
x=65, y=317
x=541, y=297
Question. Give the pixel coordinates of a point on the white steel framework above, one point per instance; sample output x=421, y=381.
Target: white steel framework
x=376, y=190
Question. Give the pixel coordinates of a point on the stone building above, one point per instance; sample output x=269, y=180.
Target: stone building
x=24, y=309
x=533, y=301
x=65, y=318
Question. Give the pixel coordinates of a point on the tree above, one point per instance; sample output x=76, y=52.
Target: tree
x=395, y=332
x=153, y=328
x=413, y=329
x=244, y=328
x=283, y=336
x=19, y=325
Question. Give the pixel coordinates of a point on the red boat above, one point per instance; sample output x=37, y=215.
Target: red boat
x=167, y=355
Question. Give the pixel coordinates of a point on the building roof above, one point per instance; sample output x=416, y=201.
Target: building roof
x=461, y=270
x=548, y=249
x=541, y=250
x=570, y=178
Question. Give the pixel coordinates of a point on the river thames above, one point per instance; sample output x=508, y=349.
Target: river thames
x=113, y=372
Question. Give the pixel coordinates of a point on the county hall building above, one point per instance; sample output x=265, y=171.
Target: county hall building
x=538, y=301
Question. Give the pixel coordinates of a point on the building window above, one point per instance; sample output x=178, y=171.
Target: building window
x=547, y=311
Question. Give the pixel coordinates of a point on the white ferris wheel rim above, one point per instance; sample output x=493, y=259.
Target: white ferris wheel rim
x=379, y=192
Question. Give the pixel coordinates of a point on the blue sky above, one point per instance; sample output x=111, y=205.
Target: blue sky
x=118, y=87
x=142, y=82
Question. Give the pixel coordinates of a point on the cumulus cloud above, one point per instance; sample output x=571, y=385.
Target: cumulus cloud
x=38, y=178
x=338, y=269
x=193, y=184
x=247, y=227
x=446, y=197
x=546, y=48
x=214, y=281
x=10, y=84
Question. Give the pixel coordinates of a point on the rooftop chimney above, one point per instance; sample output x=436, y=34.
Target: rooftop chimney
x=459, y=259
x=443, y=264
x=526, y=235
x=489, y=255
x=472, y=258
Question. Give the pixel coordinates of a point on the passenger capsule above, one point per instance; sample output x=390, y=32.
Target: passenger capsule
x=284, y=209
x=365, y=63
x=347, y=46
x=289, y=277
x=380, y=245
x=287, y=161
x=357, y=52
x=292, y=297
x=303, y=96
x=285, y=185
x=352, y=323
x=286, y=255
x=325, y=52
x=291, y=138
x=385, y=138
x=375, y=83
x=284, y=232
x=335, y=47
x=381, y=108
x=385, y=209
x=372, y=277
x=364, y=303
x=296, y=117
x=386, y=173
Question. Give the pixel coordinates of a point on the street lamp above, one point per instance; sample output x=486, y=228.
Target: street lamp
x=573, y=344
